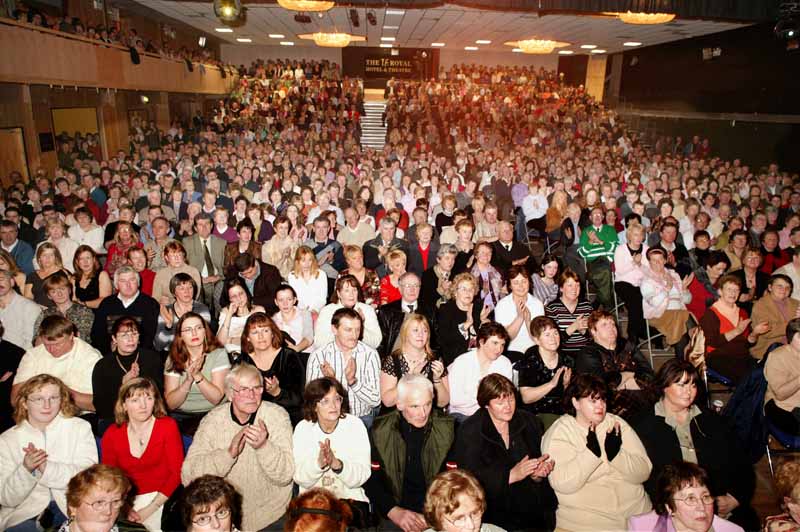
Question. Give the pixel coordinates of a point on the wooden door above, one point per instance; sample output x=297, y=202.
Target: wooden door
x=12, y=154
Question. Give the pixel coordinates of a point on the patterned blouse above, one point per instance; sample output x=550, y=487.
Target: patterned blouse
x=533, y=372
x=371, y=288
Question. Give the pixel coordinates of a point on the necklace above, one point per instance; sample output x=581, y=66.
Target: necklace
x=135, y=360
x=139, y=436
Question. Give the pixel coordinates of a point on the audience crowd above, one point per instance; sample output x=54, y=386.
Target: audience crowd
x=251, y=322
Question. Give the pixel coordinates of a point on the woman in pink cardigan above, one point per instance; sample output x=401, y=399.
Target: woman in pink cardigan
x=630, y=260
x=682, y=503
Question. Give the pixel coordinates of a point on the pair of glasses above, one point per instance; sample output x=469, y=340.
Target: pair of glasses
x=100, y=506
x=39, y=401
x=466, y=520
x=130, y=335
x=205, y=520
x=199, y=328
x=248, y=390
x=693, y=500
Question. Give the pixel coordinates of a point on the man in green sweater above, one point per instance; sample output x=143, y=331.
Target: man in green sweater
x=598, y=243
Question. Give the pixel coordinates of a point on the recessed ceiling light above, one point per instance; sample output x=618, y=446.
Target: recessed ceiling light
x=277, y=36
x=287, y=43
x=386, y=45
x=395, y=12
x=389, y=39
x=517, y=50
x=437, y=44
x=223, y=30
x=598, y=51
x=483, y=41
x=470, y=48
x=566, y=52
x=631, y=43
x=391, y=27
x=588, y=46
x=244, y=39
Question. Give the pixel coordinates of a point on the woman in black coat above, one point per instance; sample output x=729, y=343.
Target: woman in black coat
x=676, y=429
x=500, y=445
x=457, y=321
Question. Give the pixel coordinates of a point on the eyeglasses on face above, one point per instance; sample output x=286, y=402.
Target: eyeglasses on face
x=100, y=506
x=197, y=328
x=39, y=400
x=693, y=500
x=247, y=390
x=205, y=520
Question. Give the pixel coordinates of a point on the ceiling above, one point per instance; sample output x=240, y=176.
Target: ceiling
x=455, y=26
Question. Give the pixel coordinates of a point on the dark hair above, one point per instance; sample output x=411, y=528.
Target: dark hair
x=729, y=278
x=236, y=281
x=584, y=385
x=672, y=372
x=567, y=274
x=205, y=490
x=700, y=233
x=347, y=313
x=516, y=270
x=58, y=279
x=715, y=257
x=539, y=324
x=245, y=223
x=672, y=479
x=792, y=328
x=178, y=354
x=547, y=259
x=243, y=262
x=56, y=326
x=781, y=277
x=656, y=250
x=493, y=386
x=260, y=319
x=492, y=328
x=599, y=315
x=182, y=278
x=351, y=280
x=737, y=232
x=126, y=323
x=203, y=216
x=283, y=287
x=316, y=390
x=317, y=510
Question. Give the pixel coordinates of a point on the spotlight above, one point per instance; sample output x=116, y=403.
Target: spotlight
x=354, y=18
x=788, y=26
x=371, y=18
x=201, y=42
x=144, y=98
x=229, y=11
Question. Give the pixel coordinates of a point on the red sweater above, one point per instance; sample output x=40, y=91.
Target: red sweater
x=159, y=468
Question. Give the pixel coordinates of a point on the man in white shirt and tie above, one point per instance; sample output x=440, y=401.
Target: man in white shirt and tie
x=392, y=315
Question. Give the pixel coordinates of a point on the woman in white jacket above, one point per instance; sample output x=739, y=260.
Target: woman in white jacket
x=40, y=454
x=331, y=447
x=664, y=299
x=601, y=463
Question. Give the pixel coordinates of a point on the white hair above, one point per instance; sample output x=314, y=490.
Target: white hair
x=412, y=383
x=241, y=370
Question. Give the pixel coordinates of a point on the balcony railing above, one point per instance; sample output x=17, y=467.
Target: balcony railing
x=40, y=56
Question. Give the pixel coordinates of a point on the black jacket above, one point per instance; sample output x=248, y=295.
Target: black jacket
x=526, y=504
x=391, y=317
x=718, y=452
x=502, y=258
x=446, y=320
x=415, y=257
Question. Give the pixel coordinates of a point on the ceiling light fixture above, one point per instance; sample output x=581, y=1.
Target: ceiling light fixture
x=517, y=50
x=385, y=45
x=277, y=36
x=588, y=46
x=306, y=5
x=470, y=48
x=332, y=40
x=391, y=27
x=228, y=11
x=483, y=41
x=287, y=43
x=537, y=46
x=645, y=18
x=598, y=51
x=244, y=39
x=437, y=44
x=394, y=11
x=223, y=30
x=388, y=39
x=631, y=43
x=566, y=52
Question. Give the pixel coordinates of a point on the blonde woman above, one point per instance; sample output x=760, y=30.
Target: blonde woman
x=390, y=285
x=460, y=317
x=309, y=282
x=57, y=235
x=279, y=250
x=414, y=355
x=48, y=445
x=49, y=260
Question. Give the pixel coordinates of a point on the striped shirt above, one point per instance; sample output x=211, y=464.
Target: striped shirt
x=570, y=344
x=365, y=394
x=608, y=237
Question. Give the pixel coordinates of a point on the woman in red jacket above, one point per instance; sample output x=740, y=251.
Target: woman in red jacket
x=146, y=445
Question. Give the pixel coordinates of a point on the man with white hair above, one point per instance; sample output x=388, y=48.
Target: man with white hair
x=128, y=301
x=410, y=447
x=248, y=442
x=377, y=249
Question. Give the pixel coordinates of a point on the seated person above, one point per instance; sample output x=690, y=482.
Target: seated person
x=9, y=363
x=753, y=281
x=238, y=306
x=128, y=361
x=597, y=244
x=310, y=283
x=261, y=279
x=194, y=375
x=458, y=319
x=676, y=429
x=146, y=445
x=331, y=446
x=17, y=313
x=544, y=372
x=516, y=310
x=775, y=307
x=184, y=290
x=500, y=445
x=414, y=355
x=421, y=434
x=348, y=295
x=48, y=445
x=249, y=443
x=392, y=315
x=596, y=453
x=664, y=299
x=704, y=285
x=682, y=501
x=351, y=362
x=318, y=509
x=435, y=282
x=466, y=372
x=728, y=334
x=128, y=301
x=295, y=324
x=455, y=502
x=571, y=314
x=175, y=257
x=284, y=376
x=782, y=371
x=98, y=483
x=61, y=355
x=617, y=361
x=58, y=287
x=210, y=503
x=787, y=486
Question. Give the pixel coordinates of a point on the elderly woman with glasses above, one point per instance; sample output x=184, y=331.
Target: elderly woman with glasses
x=95, y=498
x=677, y=429
x=146, y=445
x=456, y=502
x=682, y=502
x=249, y=443
x=211, y=504
x=38, y=456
